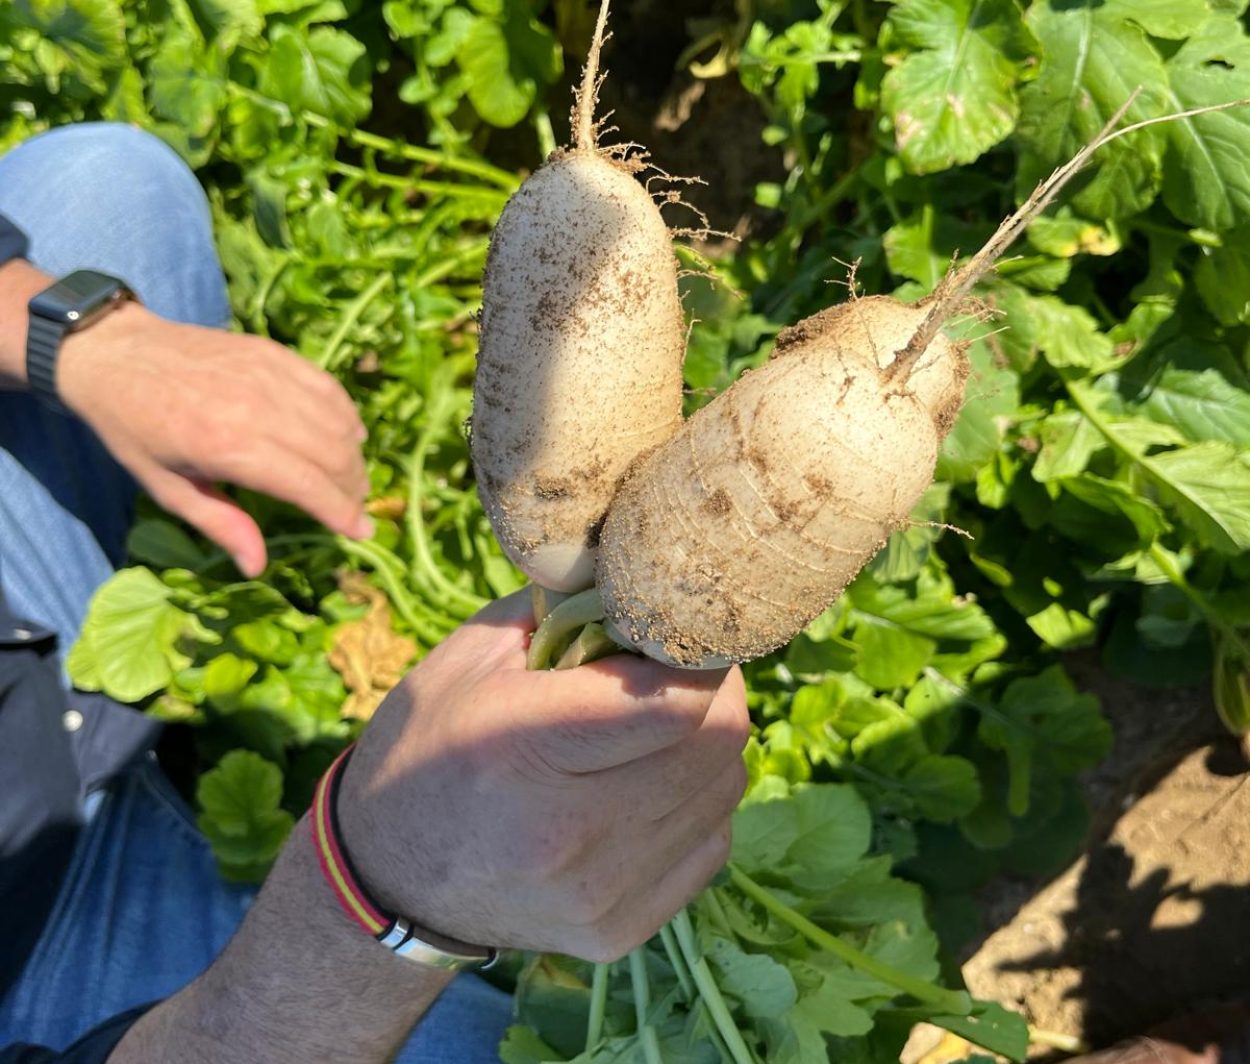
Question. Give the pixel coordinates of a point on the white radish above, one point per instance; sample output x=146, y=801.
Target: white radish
x=582, y=338
x=730, y=538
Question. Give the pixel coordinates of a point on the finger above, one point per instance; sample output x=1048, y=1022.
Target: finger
x=219, y=518
x=336, y=451
x=641, y=913
x=292, y=478
x=325, y=386
x=616, y=711
x=668, y=779
x=495, y=638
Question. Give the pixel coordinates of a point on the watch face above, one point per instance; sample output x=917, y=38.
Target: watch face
x=75, y=298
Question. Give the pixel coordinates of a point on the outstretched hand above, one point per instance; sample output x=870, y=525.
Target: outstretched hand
x=184, y=408
x=571, y=811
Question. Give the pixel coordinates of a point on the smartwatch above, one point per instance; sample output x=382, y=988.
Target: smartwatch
x=71, y=304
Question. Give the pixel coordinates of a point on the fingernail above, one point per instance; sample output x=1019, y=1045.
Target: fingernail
x=365, y=528
x=362, y=433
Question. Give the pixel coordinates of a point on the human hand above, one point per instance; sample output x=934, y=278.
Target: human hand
x=572, y=811
x=183, y=407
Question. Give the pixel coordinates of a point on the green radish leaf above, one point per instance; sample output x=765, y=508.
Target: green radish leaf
x=521, y=1045
x=1209, y=485
x=240, y=815
x=1068, y=442
x=954, y=96
x=823, y=827
x=992, y=396
x=1066, y=336
x=128, y=644
x=1094, y=59
x=1043, y=716
x=1195, y=386
x=991, y=1027
x=1206, y=183
x=326, y=72
x=228, y=20
x=187, y=85
x=763, y=986
x=943, y=788
x=1222, y=278
x=164, y=545
x=506, y=62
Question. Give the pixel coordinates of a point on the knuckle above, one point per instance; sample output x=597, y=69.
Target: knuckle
x=738, y=728
x=602, y=950
x=588, y=903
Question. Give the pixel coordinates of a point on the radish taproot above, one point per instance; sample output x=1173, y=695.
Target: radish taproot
x=580, y=360
x=727, y=540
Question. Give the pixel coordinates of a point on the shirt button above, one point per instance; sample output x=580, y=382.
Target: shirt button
x=71, y=719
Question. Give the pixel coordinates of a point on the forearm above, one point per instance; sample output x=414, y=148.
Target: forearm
x=298, y=982
x=19, y=281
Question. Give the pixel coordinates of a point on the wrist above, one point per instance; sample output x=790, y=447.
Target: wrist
x=297, y=982
x=84, y=356
x=388, y=921
x=19, y=282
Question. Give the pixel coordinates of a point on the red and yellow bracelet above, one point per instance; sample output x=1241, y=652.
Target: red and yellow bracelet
x=394, y=932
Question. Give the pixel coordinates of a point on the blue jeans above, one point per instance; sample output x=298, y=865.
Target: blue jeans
x=142, y=910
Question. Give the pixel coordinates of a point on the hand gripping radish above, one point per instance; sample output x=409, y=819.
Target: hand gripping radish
x=582, y=337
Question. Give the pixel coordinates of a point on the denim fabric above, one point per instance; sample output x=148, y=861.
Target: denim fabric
x=141, y=910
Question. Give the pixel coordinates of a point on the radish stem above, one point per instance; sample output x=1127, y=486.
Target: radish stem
x=676, y=962
x=591, y=644
x=642, y=1006
x=598, y=1003
x=954, y=1002
x=722, y=1019
x=551, y=637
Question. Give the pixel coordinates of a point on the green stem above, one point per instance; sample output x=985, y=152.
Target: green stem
x=642, y=1006
x=572, y=614
x=423, y=563
x=429, y=157
x=1166, y=561
x=953, y=1002
x=546, y=135
x=329, y=357
x=722, y=1018
x=591, y=644
x=675, y=961
x=598, y=1005
x=450, y=264
x=380, y=560
x=403, y=183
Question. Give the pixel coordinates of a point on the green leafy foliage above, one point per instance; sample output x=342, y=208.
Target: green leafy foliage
x=921, y=736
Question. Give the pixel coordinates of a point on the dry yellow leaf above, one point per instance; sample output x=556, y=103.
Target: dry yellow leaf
x=369, y=655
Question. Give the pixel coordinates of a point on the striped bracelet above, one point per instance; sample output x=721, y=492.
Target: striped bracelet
x=394, y=932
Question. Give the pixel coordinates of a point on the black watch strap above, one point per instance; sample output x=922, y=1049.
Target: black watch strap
x=43, y=344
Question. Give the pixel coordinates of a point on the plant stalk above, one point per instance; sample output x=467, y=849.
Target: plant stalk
x=559, y=625
x=952, y=1002
x=642, y=1006
x=722, y=1018
x=598, y=1005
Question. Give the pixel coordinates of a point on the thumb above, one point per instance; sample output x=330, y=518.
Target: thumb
x=215, y=515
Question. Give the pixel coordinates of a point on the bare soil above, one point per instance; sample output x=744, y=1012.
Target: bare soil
x=1154, y=918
